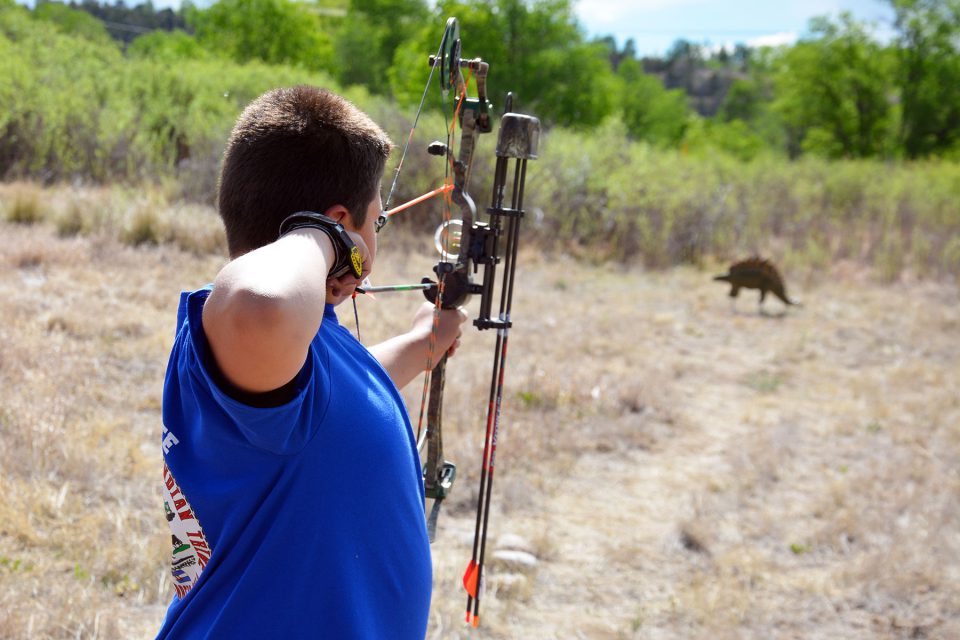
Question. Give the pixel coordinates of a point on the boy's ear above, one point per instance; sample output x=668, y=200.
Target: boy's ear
x=339, y=213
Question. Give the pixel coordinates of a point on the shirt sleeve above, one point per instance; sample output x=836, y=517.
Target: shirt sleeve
x=283, y=429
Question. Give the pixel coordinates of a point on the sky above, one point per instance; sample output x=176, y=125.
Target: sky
x=655, y=25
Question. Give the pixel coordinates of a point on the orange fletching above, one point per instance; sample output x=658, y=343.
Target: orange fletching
x=470, y=579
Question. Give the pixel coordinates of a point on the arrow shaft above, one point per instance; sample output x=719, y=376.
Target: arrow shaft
x=420, y=286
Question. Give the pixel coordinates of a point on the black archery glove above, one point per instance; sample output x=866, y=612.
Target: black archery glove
x=347, y=257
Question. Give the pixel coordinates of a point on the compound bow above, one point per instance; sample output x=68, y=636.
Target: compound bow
x=467, y=245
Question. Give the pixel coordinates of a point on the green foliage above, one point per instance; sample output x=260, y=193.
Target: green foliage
x=744, y=101
x=626, y=170
x=534, y=50
x=733, y=138
x=167, y=46
x=408, y=74
x=650, y=112
x=72, y=21
x=832, y=92
x=578, y=88
x=840, y=93
x=615, y=54
x=71, y=107
x=609, y=198
x=271, y=31
x=928, y=50
x=125, y=22
x=367, y=40
x=54, y=88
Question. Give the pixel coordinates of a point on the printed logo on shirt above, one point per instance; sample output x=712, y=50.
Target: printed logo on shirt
x=169, y=440
x=189, y=551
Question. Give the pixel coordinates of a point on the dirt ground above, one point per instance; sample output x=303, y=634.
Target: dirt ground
x=671, y=466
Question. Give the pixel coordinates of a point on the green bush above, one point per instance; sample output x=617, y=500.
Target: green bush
x=610, y=198
x=76, y=107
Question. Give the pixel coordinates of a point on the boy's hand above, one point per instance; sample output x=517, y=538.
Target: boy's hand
x=339, y=289
x=448, y=327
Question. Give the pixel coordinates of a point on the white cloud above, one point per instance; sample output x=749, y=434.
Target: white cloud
x=773, y=39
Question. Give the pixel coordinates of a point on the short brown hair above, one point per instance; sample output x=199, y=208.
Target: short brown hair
x=297, y=149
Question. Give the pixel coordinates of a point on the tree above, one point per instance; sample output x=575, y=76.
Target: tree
x=928, y=48
x=367, y=41
x=650, y=112
x=166, y=45
x=124, y=23
x=72, y=21
x=748, y=104
x=576, y=86
x=684, y=51
x=833, y=92
x=536, y=50
x=615, y=54
x=744, y=101
x=741, y=56
x=274, y=31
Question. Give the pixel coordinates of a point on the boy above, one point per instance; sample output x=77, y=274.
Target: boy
x=293, y=487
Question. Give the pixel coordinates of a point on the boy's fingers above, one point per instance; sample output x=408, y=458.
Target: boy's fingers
x=453, y=348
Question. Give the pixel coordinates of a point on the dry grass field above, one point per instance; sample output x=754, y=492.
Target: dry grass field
x=678, y=468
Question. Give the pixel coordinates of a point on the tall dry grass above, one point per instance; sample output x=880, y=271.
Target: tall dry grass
x=607, y=198
x=132, y=215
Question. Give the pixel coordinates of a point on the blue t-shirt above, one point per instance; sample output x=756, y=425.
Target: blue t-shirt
x=299, y=521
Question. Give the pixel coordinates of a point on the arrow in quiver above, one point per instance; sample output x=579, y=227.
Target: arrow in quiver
x=517, y=142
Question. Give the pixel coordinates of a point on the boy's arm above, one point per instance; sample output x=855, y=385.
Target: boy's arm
x=405, y=356
x=265, y=308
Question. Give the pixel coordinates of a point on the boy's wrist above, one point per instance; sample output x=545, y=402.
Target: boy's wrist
x=347, y=258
